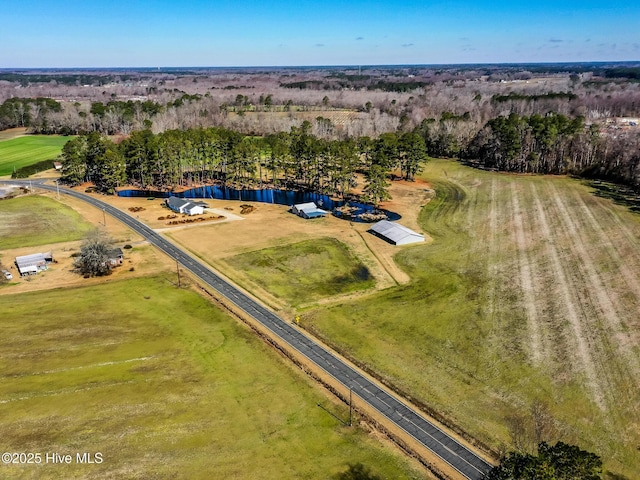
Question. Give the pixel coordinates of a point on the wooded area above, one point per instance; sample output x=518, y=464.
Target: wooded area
x=295, y=159
x=527, y=118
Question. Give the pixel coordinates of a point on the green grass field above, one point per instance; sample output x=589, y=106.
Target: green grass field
x=528, y=297
x=163, y=385
x=20, y=152
x=306, y=271
x=34, y=220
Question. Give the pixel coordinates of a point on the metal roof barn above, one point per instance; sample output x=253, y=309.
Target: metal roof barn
x=33, y=263
x=308, y=210
x=395, y=233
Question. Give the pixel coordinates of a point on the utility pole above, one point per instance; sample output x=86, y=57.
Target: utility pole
x=350, y=407
x=58, y=189
x=104, y=218
x=178, y=270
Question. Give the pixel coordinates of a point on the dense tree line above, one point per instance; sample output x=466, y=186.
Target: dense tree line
x=556, y=144
x=295, y=159
x=26, y=112
x=533, y=98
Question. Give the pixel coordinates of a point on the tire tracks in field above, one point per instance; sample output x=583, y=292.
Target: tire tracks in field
x=597, y=294
x=80, y=367
x=619, y=259
x=527, y=276
x=579, y=339
x=492, y=260
x=632, y=238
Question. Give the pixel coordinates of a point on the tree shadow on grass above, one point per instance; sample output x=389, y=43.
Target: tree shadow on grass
x=620, y=194
x=357, y=471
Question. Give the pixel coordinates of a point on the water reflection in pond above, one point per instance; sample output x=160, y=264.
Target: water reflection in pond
x=264, y=195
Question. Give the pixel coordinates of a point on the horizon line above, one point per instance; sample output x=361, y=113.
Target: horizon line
x=381, y=65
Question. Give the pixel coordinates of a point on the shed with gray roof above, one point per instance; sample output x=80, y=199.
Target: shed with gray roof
x=34, y=263
x=395, y=233
x=308, y=210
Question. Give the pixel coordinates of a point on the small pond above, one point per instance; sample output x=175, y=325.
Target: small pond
x=265, y=195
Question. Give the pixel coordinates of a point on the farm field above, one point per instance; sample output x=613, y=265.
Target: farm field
x=37, y=220
x=521, y=319
x=163, y=385
x=27, y=150
x=337, y=117
x=306, y=271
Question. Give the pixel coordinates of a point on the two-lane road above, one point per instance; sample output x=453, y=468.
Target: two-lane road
x=467, y=463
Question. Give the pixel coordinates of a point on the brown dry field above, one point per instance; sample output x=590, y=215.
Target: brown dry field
x=12, y=133
x=337, y=117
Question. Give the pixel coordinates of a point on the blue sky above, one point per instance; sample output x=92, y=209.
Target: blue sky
x=97, y=33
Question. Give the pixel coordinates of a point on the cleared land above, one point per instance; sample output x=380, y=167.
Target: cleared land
x=527, y=301
x=337, y=117
x=36, y=220
x=166, y=386
x=27, y=150
x=306, y=271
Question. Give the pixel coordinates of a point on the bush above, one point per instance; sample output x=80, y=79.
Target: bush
x=29, y=170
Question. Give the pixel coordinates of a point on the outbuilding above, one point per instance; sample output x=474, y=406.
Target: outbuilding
x=308, y=210
x=188, y=207
x=395, y=233
x=32, y=264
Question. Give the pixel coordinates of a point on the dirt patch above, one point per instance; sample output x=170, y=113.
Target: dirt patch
x=11, y=133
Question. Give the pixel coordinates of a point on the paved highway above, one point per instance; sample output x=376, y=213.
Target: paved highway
x=467, y=463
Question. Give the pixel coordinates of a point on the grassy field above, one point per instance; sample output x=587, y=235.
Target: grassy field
x=27, y=150
x=523, y=311
x=306, y=271
x=34, y=220
x=163, y=385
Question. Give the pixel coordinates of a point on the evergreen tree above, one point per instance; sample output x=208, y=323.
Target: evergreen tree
x=376, y=189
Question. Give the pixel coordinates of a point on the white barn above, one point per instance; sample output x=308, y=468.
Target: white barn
x=308, y=210
x=395, y=233
x=188, y=207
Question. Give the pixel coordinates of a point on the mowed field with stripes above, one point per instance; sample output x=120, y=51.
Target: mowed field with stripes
x=19, y=152
x=522, y=319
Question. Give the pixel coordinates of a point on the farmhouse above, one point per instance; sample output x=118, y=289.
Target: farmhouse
x=116, y=256
x=308, y=210
x=395, y=233
x=32, y=264
x=182, y=205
